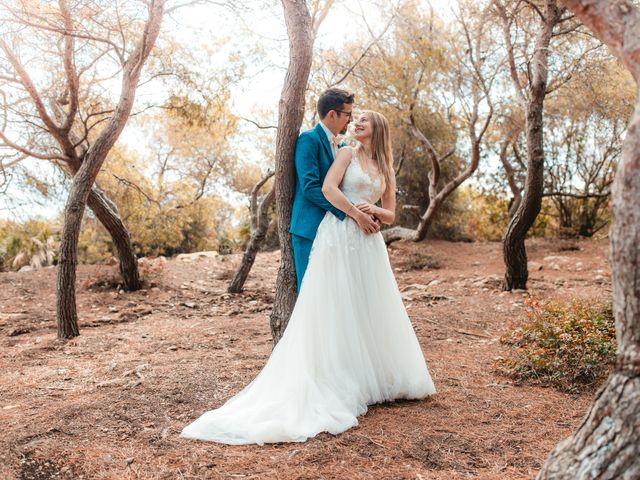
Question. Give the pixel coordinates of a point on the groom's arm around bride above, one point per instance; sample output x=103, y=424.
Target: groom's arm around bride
x=315, y=152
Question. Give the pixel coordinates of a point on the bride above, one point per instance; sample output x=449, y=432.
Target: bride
x=349, y=342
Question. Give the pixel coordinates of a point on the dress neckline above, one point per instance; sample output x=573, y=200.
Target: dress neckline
x=376, y=178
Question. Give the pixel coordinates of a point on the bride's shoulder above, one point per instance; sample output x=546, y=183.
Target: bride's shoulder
x=345, y=153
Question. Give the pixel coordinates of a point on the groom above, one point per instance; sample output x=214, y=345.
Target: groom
x=315, y=151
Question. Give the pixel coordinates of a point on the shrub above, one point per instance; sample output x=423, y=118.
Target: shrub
x=451, y=221
x=94, y=244
x=33, y=243
x=487, y=216
x=418, y=260
x=570, y=346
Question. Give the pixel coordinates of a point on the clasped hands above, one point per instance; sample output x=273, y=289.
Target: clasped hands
x=365, y=215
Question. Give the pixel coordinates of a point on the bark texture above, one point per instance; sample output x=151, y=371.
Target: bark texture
x=607, y=444
x=107, y=214
x=290, y=114
x=259, y=226
x=85, y=177
x=514, y=252
x=394, y=234
x=511, y=179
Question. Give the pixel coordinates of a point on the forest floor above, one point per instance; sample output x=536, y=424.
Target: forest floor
x=111, y=403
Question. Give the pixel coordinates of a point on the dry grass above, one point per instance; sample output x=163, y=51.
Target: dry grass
x=110, y=404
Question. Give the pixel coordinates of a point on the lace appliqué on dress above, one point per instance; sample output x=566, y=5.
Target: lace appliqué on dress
x=358, y=185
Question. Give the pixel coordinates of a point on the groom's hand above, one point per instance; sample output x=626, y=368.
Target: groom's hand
x=369, y=209
x=367, y=223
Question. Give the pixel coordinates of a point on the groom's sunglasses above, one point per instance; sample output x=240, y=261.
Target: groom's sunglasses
x=349, y=114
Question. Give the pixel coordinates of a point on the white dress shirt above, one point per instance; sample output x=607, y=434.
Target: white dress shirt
x=330, y=136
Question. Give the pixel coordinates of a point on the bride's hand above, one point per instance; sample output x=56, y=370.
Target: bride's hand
x=366, y=208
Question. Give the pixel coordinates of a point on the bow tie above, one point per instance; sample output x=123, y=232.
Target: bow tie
x=336, y=140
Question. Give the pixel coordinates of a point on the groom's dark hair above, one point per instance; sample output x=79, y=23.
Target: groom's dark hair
x=333, y=99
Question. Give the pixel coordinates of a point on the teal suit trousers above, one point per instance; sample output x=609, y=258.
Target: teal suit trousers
x=301, y=251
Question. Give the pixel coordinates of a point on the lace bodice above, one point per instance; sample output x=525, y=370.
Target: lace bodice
x=358, y=186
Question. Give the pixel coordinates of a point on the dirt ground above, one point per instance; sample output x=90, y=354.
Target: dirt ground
x=111, y=403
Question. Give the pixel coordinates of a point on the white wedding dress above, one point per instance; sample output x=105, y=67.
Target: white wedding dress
x=349, y=343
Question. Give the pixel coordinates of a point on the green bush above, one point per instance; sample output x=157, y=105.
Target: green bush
x=570, y=346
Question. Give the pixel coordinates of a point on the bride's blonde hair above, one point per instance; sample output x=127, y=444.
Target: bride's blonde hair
x=380, y=145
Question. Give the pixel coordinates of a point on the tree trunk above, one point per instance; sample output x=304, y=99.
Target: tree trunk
x=429, y=216
x=257, y=238
x=511, y=179
x=107, y=213
x=563, y=206
x=514, y=252
x=394, y=234
x=67, y=263
x=84, y=179
x=290, y=113
x=607, y=444
x=514, y=204
x=436, y=199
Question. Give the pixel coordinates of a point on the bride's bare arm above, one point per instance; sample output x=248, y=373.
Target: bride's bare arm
x=386, y=213
x=332, y=192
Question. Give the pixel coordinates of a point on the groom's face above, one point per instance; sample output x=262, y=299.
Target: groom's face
x=344, y=117
x=338, y=119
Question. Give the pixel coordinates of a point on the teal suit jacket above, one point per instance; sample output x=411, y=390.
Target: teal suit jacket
x=312, y=161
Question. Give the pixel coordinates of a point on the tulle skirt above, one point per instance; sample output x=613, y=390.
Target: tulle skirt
x=349, y=344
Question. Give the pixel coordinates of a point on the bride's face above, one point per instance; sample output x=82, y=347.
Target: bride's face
x=363, y=128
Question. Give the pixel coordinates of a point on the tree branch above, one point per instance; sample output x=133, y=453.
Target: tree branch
x=253, y=202
x=365, y=51
x=319, y=16
x=70, y=70
x=506, y=31
x=262, y=127
x=576, y=195
x=27, y=152
x=30, y=87
x=613, y=22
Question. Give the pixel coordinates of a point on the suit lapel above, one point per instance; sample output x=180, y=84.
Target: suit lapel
x=324, y=140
